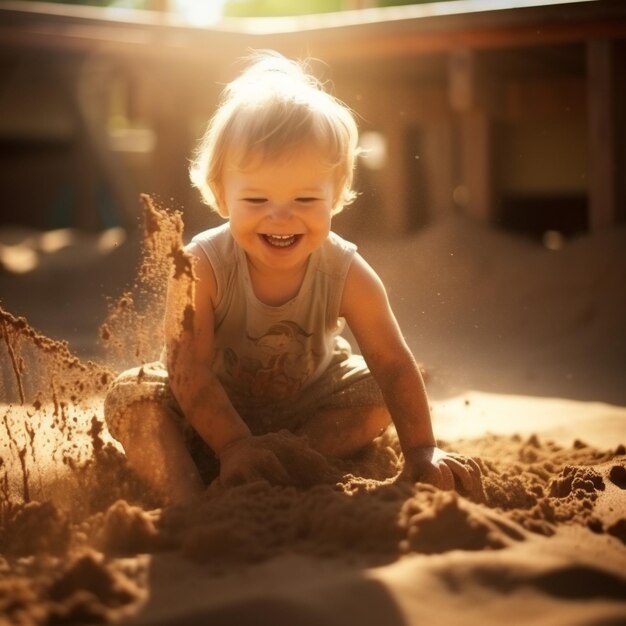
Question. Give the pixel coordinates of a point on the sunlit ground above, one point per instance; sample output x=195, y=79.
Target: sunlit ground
x=22, y=251
x=474, y=414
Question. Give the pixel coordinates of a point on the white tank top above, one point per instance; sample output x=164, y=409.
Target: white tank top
x=264, y=354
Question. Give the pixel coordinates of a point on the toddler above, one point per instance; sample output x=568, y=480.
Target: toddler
x=261, y=350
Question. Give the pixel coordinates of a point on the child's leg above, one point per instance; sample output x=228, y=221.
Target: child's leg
x=142, y=414
x=156, y=450
x=341, y=432
x=352, y=410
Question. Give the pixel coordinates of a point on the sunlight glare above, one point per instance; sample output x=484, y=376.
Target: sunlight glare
x=553, y=240
x=19, y=259
x=198, y=13
x=137, y=140
x=55, y=240
x=374, y=145
x=111, y=238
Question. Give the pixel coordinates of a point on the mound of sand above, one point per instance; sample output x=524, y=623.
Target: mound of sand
x=82, y=541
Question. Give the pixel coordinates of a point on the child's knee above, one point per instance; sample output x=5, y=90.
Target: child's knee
x=119, y=414
x=128, y=397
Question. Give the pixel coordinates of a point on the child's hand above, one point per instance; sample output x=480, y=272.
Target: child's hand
x=244, y=461
x=444, y=470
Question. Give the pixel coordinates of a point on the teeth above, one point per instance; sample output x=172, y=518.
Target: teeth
x=281, y=241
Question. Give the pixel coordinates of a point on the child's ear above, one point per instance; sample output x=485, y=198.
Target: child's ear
x=221, y=212
x=220, y=204
x=221, y=209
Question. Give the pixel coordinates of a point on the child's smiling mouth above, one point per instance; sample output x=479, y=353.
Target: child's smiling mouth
x=281, y=241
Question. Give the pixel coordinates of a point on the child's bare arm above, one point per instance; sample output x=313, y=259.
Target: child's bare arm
x=189, y=332
x=367, y=311
x=189, y=342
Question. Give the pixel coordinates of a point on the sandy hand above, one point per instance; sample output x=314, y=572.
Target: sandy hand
x=248, y=460
x=445, y=470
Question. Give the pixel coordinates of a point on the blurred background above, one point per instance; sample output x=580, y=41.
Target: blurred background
x=510, y=114
x=477, y=107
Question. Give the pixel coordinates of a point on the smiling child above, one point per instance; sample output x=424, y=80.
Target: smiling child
x=274, y=286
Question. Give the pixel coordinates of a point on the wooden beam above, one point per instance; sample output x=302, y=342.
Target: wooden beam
x=389, y=32
x=477, y=163
x=394, y=183
x=605, y=154
x=439, y=163
x=473, y=97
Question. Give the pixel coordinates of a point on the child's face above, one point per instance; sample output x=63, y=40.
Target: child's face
x=280, y=210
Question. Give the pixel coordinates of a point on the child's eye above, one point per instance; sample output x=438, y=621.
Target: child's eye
x=306, y=200
x=255, y=200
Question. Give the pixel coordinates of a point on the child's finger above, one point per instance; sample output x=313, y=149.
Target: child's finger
x=475, y=467
x=467, y=471
x=461, y=473
x=477, y=491
x=234, y=479
x=274, y=471
x=447, y=477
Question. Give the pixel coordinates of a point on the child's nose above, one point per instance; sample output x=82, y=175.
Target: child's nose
x=281, y=211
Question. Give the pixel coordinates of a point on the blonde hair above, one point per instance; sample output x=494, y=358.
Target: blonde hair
x=268, y=112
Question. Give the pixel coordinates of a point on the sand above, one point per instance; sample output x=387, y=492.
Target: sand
x=525, y=358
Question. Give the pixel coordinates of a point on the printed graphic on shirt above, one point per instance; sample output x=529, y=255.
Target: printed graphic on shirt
x=276, y=365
